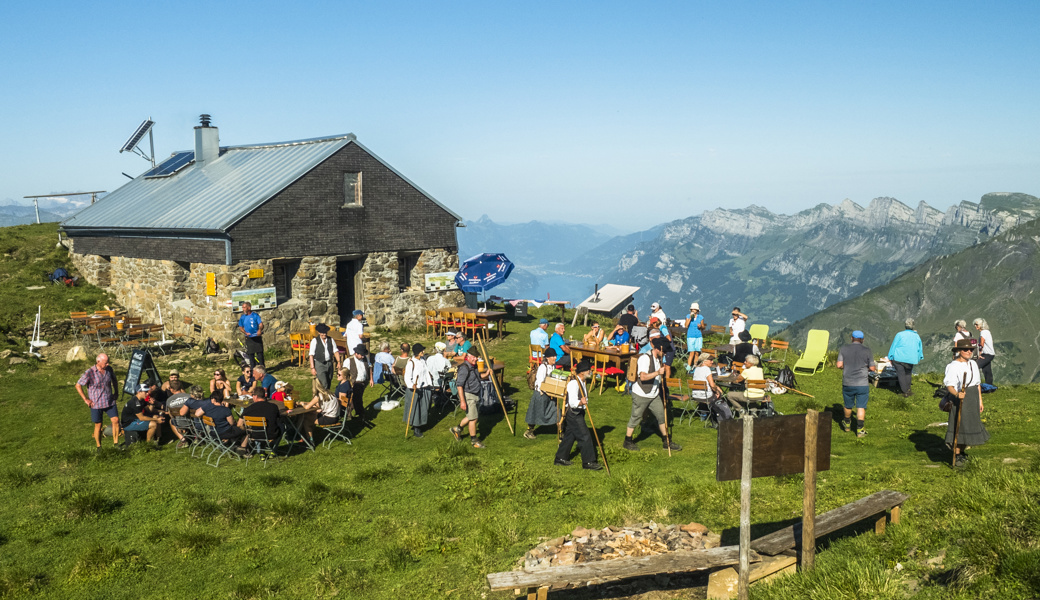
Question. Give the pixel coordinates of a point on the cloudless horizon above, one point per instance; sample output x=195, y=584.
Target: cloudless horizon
x=579, y=112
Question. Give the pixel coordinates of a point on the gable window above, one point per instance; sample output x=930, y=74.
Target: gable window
x=351, y=189
x=284, y=273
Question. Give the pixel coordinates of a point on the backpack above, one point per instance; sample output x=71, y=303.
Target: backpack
x=532, y=376
x=719, y=410
x=633, y=369
x=786, y=378
x=210, y=347
x=640, y=335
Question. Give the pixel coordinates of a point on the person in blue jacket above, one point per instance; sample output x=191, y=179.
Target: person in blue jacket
x=906, y=351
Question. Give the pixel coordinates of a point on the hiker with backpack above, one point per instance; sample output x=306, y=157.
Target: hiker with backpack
x=542, y=410
x=646, y=394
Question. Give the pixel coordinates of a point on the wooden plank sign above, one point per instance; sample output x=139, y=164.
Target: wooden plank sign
x=778, y=448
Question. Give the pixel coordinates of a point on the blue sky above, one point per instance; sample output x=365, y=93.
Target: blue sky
x=581, y=111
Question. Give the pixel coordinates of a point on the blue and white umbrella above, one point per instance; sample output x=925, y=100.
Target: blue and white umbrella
x=482, y=272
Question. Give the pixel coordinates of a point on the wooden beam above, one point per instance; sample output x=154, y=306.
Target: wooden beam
x=745, y=507
x=809, y=494
x=619, y=568
x=831, y=521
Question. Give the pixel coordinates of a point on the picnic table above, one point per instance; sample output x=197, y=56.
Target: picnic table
x=614, y=354
x=294, y=418
x=499, y=316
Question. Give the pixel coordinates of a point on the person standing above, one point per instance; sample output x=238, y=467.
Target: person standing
x=905, y=352
x=355, y=330
x=325, y=360
x=962, y=381
x=962, y=332
x=986, y=350
x=694, y=334
x=855, y=360
x=467, y=382
x=737, y=323
x=100, y=396
x=646, y=394
x=419, y=386
x=542, y=410
x=358, y=375
x=630, y=319
x=253, y=329
x=656, y=312
x=574, y=428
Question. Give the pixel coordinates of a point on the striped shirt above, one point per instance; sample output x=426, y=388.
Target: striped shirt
x=100, y=386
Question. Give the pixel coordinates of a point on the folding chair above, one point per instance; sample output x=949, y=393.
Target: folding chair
x=336, y=431
x=257, y=438
x=755, y=407
x=534, y=357
x=771, y=363
x=220, y=447
x=187, y=428
x=699, y=405
x=392, y=382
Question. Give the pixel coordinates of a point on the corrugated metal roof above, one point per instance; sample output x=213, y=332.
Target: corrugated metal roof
x=212, y=197
x=611, y=296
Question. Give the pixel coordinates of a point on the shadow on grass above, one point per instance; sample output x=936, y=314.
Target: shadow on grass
x=932, y=444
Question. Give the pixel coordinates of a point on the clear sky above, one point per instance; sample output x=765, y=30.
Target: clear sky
x=619, y=112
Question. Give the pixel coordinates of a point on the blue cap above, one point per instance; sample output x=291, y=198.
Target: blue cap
x=857, y=335
x=358, y=313
x=543, y=321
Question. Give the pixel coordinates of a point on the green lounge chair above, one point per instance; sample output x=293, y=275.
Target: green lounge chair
x=759, y=332
x=814, y=358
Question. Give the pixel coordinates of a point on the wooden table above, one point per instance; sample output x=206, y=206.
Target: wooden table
x=341, y=339
x=292, y=417
x=615, y=356
x=499, y=316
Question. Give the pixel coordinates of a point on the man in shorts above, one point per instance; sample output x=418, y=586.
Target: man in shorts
x=646, y=394
x=855, y=360
x=100, y=396
x=139, y=416
x=468, y=383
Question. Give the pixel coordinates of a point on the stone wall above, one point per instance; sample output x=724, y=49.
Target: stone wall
x=386, y=305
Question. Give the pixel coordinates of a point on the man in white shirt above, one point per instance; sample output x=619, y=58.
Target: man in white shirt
x=324, y=357
x=737, y=324
x=575, y=429
x=354, y=330
x=646, y=394
x=655, y=311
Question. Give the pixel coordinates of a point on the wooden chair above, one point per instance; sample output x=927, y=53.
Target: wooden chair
x=603, y=367
x=431, y=321
x=772, y=363
x=576, y=356
x=535, y=354
x=258, y=440
x=755, y=407
x=476, y=326
x=699, y=405
x=298, y=347
x=718, y=330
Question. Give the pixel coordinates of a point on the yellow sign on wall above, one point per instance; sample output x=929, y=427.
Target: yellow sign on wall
x=211, y=284
x=256, y=273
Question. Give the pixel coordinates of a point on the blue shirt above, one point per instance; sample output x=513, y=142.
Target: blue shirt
x=219, y=413
x=539, y=337
x=556, y=342
x=460, y=349
x=906, y=348
x=619, y=338
x=250, y=323
x=268, y=384
x=691, y=330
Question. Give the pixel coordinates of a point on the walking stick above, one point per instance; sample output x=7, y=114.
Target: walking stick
x=790, y=389
x=494, y=384
x=411, y=406
x=664, y=405
x=596, y=435
x=957, y=425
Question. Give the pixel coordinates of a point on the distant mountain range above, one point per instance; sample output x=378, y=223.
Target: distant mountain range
x=997, y=280
x=51, y=210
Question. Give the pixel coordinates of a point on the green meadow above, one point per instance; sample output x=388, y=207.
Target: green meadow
x=390, y=517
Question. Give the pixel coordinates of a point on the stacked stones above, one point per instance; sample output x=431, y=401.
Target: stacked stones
x=585, y=545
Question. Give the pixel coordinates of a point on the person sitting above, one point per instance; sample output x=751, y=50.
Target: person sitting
x=282, y=392
x=223, y=420
x=173, y=406
x=744, y=349
x=194, y=402
x=261, y=407
x=751, y=372
x=452, y=341
x=702, y=372
x=594, y=338
x=563, y=350
x=402, y=359
x=462, y=345
x=619, y=336
x=175, y=375
x=328, y=405
x=264, y=380
x=438, y=364
x=157, y=395
x=220, y=383
x=540, y=335
x=138, y=414
x=384, y=362
x=244, y=385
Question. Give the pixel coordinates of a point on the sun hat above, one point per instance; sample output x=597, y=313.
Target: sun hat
x=440, y=346
x=695, y=306
x=964, y=344
x=417, y=348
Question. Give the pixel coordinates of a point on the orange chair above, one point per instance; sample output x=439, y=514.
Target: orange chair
x=431, y=321
x=603, y=367
x=475, y=326
x=299, y=347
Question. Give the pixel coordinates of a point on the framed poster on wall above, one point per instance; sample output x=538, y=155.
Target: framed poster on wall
x=260, y=298
x=441, y=282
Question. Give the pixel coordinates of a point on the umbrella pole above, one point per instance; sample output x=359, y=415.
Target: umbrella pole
x=494, y=383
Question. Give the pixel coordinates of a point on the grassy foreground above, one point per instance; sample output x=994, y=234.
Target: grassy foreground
x=429, y=518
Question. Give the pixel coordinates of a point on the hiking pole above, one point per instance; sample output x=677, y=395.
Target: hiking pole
x=664, y=405
x=596, y=435
x=790, y=389
x=494, y=383
x=957, y=425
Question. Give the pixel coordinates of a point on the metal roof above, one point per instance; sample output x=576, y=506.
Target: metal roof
x=611, y=297
x=216, y=195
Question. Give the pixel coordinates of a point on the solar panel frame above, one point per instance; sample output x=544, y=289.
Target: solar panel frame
x=135, y=138
x=176, y=162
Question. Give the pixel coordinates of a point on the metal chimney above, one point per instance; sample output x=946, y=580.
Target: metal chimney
x=207, y=141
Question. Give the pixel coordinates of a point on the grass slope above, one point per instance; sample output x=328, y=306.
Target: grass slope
x=429, y=518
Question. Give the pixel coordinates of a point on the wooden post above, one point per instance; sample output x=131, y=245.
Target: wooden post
x=745, y=507
x=809, y=495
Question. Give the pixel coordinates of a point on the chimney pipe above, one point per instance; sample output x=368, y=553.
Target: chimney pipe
x=207, y=141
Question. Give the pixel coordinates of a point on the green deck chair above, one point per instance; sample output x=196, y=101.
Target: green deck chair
x=813, y=359
x=759, y=332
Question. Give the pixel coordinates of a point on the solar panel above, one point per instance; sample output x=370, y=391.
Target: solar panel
x=171, y=165
x=142, y=129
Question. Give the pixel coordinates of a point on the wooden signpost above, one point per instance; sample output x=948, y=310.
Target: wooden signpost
x=781, y=445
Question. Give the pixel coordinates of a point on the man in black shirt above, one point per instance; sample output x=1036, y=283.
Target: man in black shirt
x=467, y=382
x=629, y=319
x=222, y=419
x=138, y=416
x=266, y=409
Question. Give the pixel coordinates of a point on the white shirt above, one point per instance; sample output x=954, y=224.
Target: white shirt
x=437, y=365
x=540, y=375
x=660, y=315
x=955, y=372
x=646, y=364
x=317, y=343
x=416, y=374
x=701, y=373
x=354, y=331
x=736, y=325
x=961, y=335
x=330, y=406
x=987, y=342
x=573, y=388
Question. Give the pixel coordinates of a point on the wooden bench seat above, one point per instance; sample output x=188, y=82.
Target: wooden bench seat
x=882, y=506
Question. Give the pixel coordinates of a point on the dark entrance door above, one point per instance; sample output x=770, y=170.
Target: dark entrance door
x=346, y=270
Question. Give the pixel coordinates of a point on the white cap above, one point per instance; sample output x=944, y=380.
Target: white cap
x=279, y=385
x=695, y=306
x=655, y=305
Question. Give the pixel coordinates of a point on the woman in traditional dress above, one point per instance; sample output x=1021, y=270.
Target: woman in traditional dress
x=542, y=409
x=962, y=382
x=420, y=385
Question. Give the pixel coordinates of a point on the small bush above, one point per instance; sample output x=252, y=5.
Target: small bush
x=199, y=508
x=193, y=540
x=803, y=404
x=426, y=468
x=396, y=557
x=16, y=583
x=84, y=504
x=99, y=562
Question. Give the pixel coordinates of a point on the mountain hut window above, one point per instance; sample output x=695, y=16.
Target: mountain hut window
x=351, y=189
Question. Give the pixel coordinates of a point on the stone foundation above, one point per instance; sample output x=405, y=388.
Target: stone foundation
x=144, y=286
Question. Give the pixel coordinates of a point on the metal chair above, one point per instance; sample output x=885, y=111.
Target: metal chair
x=219, y=447
x=699, y=405
x=335, y=431
x=257, y=438
x=187, y=428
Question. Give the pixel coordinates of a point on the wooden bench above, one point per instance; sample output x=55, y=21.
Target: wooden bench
x=537, y=582
x=882, y=506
